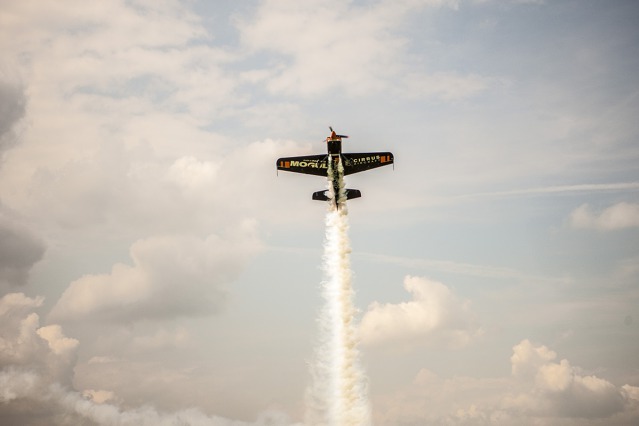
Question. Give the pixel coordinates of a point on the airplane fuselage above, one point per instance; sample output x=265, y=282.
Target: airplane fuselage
x=334, y=146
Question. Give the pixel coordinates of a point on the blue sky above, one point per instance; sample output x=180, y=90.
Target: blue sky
x=153, y=266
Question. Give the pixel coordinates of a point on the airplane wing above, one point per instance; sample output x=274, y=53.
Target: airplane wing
x=358, y=162
x=309, y=164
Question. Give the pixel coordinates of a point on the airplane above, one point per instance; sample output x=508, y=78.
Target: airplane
x=320, y=165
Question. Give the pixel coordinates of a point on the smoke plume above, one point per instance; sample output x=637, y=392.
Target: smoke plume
x=338, y=394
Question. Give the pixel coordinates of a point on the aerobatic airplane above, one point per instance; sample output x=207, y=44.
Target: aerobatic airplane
x=319, y=165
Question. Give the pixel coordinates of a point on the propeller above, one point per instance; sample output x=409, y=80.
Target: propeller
x=339, y=136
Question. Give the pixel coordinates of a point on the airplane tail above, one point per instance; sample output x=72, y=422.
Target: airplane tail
x=350, y=194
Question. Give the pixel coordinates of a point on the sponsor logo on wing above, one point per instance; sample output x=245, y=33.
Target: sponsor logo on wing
x=367, y=160
x=313, y=164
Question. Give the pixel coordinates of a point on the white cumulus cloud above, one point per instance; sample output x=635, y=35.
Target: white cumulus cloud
x=36, y=381
x=29, y=353
x=559, y=389
x=18, y=339
x=541, y=391
x=170, y=276
x=434, y=314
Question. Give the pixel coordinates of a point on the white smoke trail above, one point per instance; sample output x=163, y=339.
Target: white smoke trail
x=338, y=396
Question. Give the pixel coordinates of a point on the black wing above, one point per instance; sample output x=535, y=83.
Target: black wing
x=309, y=164
x=360, y=161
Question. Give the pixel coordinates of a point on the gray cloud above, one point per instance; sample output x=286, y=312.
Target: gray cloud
x=19, y=248
x=19, y=251
x=12, y=108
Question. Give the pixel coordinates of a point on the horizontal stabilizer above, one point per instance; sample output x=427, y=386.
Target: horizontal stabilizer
x=320, y=195
x=350, y=194
x=353, y=193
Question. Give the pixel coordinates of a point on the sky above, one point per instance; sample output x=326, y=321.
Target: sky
x=155, y=269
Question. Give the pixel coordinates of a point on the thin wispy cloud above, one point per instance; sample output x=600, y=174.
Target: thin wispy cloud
x=461, y=268
x=619, y=216
x=560, y=189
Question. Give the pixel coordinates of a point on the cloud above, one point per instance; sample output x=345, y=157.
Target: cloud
x=475, y=270
x=434, y=314
x=19, y=248
x=324, y=45
x=54, y=405
x=345, y=47
x=161, y=340
x=99, y=396
x=81, y=409
x=19, y=251
x=28, y=351
x=170, y=276
x=559, y=189
x=122, y=59
x=559, y=389
x=12, y=109
x=618, y=216
x=36, y=380
x=192, y=174
x=126, y=89
x=540, y=391
x=18, y=341
x=527, y=359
